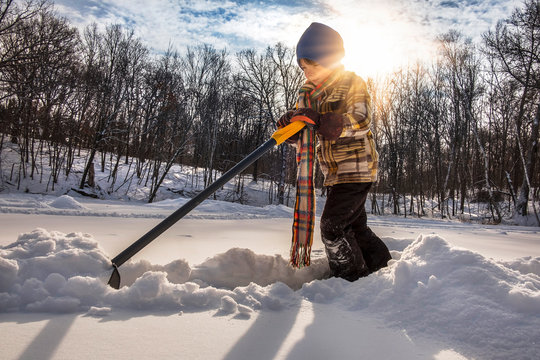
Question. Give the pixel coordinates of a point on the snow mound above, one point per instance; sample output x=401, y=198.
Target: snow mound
x=450, y=293
x=67, y=202
x=429, y=287
x=526, y=265
x=55, y=272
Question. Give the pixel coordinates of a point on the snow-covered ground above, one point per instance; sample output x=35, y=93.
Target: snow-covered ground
x=217, y=286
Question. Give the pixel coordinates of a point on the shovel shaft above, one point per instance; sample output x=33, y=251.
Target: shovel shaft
x=191, y=204
x=277, y=138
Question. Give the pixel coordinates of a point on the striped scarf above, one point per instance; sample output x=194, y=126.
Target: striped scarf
x=304, y=208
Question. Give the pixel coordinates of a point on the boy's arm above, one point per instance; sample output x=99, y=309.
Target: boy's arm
x=357, y=119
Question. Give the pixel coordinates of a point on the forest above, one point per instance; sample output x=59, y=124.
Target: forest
x=462, y=129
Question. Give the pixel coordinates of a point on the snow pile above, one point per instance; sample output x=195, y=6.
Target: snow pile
x=39, y=269
x=67, y=202
x=525, y=265
x=430, y=288
x=54, y=272
x=451, y=294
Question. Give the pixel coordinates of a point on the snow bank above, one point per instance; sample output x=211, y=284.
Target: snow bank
x=430, y=287
x=19, y=205
x=68, y=205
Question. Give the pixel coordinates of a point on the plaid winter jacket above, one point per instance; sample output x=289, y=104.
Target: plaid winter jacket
x=352, y=158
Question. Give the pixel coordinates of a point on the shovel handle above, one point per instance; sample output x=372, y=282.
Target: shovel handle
x=277, y=138
x=286, y=132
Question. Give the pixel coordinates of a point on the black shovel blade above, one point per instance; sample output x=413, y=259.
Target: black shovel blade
x=114, y=281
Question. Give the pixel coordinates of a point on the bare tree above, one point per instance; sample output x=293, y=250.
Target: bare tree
x=39, y=83
x=259, y=79
x=206, y=80
x=106, y=64
x=171, y=126
x=463, y=78
x=515, y=44
x=290, y=79
x=14, y=18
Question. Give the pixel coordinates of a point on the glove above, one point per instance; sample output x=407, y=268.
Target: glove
x=309, y=118
x=311, y=114
x=329, y=125
x=285, y=119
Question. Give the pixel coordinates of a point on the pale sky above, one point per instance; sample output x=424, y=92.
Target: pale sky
x=379, y=35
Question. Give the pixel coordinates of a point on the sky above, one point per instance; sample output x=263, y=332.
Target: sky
x=379, y=35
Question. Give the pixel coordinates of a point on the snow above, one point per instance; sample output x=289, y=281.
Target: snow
x=438, y=299
x=217, y=285
x=66, y=202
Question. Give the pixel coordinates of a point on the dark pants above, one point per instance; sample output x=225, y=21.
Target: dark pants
x=353, y=250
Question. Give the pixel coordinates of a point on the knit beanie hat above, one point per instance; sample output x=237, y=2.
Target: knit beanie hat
x=320, y=43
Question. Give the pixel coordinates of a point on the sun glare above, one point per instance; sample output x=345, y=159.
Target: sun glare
x=378, y=47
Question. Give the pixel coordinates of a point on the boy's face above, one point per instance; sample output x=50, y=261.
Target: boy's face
x=315, y=73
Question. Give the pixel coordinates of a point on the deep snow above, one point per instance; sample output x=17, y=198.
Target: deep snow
x=438, y=299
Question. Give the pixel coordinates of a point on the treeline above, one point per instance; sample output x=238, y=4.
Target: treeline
x=459, y=130
x=466, y=127
x=104, y=92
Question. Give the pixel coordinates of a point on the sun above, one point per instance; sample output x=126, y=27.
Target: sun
x=375, y=48
x=376, y=55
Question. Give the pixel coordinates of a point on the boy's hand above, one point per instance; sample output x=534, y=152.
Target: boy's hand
x=313, y=115
x=285, y=119
x=329, y=125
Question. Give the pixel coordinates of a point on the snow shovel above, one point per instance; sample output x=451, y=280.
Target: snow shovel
x=277, y=138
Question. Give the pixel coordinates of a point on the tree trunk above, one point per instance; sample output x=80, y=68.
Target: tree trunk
x=86, y=171
x=281, y=185
x=528, y=167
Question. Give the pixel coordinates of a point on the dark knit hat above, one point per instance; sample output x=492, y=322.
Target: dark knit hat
x=320, y=43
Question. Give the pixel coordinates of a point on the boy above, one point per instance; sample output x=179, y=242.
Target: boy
x=336, y=106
